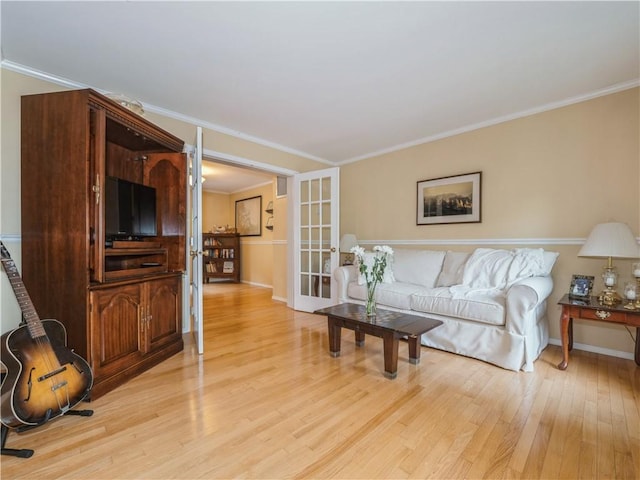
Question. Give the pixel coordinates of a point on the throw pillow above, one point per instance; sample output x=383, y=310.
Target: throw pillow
x=452, y=269
x=419, y=267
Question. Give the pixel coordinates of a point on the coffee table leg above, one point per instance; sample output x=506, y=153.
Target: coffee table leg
x=390, y=343
x=334, y=337
x=414, y=349
x=359, y=339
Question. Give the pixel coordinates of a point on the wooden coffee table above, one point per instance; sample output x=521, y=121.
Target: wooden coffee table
x=390, y=326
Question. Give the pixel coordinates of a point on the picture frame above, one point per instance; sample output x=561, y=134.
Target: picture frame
x=581, y=286
x=249, y=216
x=453, y=199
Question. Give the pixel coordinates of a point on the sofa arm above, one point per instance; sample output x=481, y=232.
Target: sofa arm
x=344, y=275
x=523, y=300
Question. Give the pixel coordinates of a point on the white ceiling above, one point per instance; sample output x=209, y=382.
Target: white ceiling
x=333, y=81
x=223, y=178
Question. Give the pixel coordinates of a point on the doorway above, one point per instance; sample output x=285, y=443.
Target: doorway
x=224, y=184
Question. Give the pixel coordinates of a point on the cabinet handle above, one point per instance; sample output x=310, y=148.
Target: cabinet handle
x=96, y=188
x=141, y=317
x=602, y=314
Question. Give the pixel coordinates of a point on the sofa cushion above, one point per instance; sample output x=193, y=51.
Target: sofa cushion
x=396, y=295
x=419, y=267
x=485, y=307
x=452, y=269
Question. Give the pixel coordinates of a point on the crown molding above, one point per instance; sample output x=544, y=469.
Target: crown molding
x=495, y=121
x=32, y=72
x=25, y=70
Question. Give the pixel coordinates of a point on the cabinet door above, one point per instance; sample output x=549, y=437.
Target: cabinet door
x=166, y=172
x=117, y=330
x=164, y=304
x=96, y=182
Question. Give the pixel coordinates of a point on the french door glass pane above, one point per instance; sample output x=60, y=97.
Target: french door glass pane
x=315, y=237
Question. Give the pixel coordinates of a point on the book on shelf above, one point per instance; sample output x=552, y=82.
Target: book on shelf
x=211, y=268
x=227, y=267
x=211, y=242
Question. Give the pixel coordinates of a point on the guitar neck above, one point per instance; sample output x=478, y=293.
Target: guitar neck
x=24, y=300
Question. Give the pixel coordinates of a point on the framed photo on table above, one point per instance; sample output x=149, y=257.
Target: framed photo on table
x=454, y=199
x=581, y=286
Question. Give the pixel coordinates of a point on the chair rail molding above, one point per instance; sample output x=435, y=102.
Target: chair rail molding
x=480, y=241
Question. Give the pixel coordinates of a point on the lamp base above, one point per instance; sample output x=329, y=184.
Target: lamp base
x=609, y=297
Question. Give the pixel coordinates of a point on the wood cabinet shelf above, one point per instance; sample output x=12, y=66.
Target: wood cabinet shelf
x=127, y=262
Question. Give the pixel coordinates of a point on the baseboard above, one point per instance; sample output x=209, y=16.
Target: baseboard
x=276, y=298
x=590, y=348
x=255, y=284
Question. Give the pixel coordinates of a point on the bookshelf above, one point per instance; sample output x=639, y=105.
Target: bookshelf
x=221, y=259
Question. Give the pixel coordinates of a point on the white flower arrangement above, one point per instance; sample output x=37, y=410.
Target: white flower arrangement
x=374, y=276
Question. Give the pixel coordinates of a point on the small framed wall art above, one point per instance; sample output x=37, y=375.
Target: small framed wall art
x=581, y=286
x=454, y=199
x=249, y=216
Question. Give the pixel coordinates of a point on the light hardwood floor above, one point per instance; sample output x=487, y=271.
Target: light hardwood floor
x=267, y=401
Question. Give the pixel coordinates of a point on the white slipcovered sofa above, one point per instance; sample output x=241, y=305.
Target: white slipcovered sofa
x=492, y=302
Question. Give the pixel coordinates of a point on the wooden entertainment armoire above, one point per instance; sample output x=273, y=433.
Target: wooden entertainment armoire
x=120, y=301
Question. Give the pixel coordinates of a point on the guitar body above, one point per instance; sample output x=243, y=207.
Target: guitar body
x=44, y=378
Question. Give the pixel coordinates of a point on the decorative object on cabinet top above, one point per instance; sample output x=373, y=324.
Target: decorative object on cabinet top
x=129, y=103
x=222, y=229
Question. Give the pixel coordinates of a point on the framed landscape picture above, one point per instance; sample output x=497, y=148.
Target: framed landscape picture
x=454, y=199
x=249, y=216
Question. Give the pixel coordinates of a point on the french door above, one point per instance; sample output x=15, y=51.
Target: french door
x=316, y=255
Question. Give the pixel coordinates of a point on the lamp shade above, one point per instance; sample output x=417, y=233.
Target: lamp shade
x=613, y=240
x=347, y=242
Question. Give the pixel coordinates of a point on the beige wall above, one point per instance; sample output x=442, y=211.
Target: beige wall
x=547, y=179
x=216, y=211
x=256, y=263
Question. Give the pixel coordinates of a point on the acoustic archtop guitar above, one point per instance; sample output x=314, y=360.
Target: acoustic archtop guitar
x=44, y=379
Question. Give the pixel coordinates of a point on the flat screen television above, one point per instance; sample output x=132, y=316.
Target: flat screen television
x=130, y=209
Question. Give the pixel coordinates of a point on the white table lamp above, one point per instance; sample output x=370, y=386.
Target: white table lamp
x=347, y=242
x=610, y=240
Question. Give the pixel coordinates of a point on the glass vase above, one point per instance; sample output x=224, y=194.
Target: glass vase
x=371, y=301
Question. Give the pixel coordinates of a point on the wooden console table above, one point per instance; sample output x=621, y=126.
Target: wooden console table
x=592, y=310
